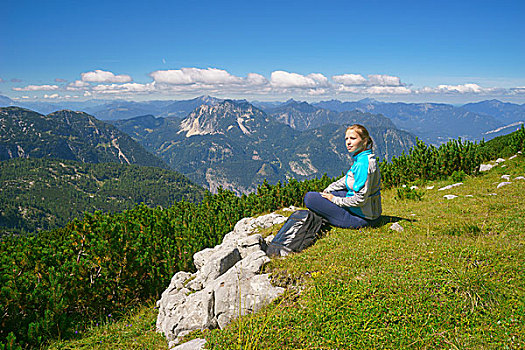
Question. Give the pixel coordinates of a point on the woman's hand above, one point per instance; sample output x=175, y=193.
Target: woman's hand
x=328, y=196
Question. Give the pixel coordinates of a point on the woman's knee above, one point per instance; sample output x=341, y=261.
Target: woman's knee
x=309, y=198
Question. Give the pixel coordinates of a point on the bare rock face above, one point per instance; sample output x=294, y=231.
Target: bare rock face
x=228, y=283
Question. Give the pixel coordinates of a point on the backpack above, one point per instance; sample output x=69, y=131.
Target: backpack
x=298, y=233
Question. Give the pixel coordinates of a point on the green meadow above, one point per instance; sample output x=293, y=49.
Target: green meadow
x=454, y=278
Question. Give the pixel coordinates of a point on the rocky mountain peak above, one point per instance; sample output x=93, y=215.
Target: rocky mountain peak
x=225, y=117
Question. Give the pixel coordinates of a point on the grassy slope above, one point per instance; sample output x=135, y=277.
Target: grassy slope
x=454, y=278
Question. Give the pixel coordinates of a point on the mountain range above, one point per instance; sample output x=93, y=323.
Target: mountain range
x=434, y=123
x=237, y=146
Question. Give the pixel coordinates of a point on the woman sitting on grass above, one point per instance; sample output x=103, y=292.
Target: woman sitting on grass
x=354, y=200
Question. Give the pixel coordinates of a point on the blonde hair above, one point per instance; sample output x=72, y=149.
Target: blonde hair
x=363, y=133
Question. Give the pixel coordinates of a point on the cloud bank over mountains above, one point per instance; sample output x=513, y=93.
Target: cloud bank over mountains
x=188, y=81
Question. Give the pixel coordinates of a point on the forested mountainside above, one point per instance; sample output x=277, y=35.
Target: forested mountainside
x=42, y=194
x=67, y=135
x=237, y=146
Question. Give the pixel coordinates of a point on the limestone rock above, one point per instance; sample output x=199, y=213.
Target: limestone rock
x=291, y=208
x=228, y=283
x=500, y=160
x=219, y=262
x=200, y=258
x=505, y=177
x=194, y=344
x=397, y=227
x=450, y=196
x=485, y=167
x=519, y=178
x=501, y=184
x=251, y=244
x=242, y=290
x=450, y=186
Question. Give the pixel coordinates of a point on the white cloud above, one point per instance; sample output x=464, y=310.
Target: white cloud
x=317, y=92
x=383, y=80
x=37, y=88
x=280, y=84
x=349, y=79
x=100, y=76
x=388, y=90
x=77, y=85
x=350, y=89
x=458, y=89
x=319, y=78
x=188, y=76
x=282, y=79
x=256, y=79
x=124, y=88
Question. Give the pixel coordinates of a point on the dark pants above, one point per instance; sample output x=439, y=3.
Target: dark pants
x=335, y=215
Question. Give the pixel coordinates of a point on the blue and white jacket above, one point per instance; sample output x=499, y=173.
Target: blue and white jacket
x=363, y=183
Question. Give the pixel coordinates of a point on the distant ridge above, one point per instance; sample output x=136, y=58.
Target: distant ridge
x=434, y=123
x=6, y=101
x=505, y=112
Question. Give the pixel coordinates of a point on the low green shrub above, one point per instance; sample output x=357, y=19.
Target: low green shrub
x=406, y=193
x=51, y=282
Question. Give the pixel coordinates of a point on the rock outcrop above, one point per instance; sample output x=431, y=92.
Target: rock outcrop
x=228, y=283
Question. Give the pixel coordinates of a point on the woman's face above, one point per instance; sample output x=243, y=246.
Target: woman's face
x=354, y=142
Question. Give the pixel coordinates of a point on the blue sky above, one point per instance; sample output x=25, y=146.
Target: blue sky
x=435, y=51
